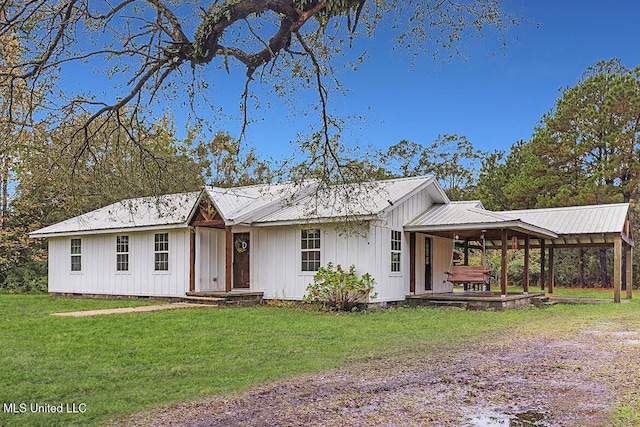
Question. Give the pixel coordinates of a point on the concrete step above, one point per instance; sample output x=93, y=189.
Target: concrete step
x=243, y=298
x=203, y=300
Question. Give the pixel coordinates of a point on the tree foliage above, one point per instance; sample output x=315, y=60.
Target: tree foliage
x=155, y=51
x=586, y=150
x=45, y=192
x=452, y=159
x=588, y=146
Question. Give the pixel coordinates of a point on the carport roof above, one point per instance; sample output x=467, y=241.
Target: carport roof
x=574, y=225
x=469, y=219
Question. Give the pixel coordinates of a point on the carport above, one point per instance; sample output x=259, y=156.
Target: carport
x=546, y=229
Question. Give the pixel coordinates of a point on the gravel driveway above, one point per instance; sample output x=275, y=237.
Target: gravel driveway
x=547, y=380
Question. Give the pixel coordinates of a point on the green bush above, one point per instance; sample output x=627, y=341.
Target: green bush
x=337, y=289
x=30, y=278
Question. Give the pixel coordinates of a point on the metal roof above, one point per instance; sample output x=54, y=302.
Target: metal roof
x=470, y=218
x=237, y=203
x=590, y=219
x=352, y=200
x=147, y=212
x=574, y=225
x=267, y=204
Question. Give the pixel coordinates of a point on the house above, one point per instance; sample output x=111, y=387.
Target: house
x=272, y=239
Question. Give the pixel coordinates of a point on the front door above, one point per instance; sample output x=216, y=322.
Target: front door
x=241, y=260
x=427, y=265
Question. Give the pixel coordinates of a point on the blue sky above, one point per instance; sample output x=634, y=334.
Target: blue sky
x=494, y=97
x=493, y=100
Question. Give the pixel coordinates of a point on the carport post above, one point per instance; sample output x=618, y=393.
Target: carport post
x=503, y=262
x=525, y=278
x=542, y=261
x=552, y=281
x=617, y=268
x=629, y=255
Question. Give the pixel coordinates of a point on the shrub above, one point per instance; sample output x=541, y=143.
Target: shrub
x=337, y=289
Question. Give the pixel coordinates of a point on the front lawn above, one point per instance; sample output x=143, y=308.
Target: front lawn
x=106, y=367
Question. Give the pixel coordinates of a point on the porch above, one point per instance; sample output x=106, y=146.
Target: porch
x=478, y=300
x=473, y=227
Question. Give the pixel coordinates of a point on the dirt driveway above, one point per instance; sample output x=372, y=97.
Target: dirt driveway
x=573, y=380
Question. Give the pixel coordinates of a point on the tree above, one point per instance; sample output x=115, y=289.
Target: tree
x=451, y=158
x=231, y=166
x=45, y=193
x=593, y=134
x=586, y=150
x=153, y=51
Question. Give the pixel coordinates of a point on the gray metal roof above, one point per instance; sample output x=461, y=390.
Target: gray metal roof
x=268, y=204
x=592, y=224
x=353, y=200
x=590, y=219
x=147, y=212
x=457, y=217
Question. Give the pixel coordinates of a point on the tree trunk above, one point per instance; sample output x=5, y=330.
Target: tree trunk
x=604, y=276
x=4, y=164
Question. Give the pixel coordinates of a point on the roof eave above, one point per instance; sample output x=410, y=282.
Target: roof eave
x=513, y=225
x=311, y=221
x=37, y=235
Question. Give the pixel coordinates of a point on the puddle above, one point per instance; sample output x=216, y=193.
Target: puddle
x=530, y=418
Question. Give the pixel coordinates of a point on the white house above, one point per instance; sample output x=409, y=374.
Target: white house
x=272, y=239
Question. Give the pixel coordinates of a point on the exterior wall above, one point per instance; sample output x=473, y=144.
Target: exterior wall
x=99, y=275
x=210, y=259
x=276, y=259
x=276, y=255
x=404, y=212
x=441, y=252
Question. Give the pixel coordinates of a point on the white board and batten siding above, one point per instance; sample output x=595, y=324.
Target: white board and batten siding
x=441, y=255
x=276, y=254
x=276, y=258
x=210, y=259
x=98, y=274
x=396, y=284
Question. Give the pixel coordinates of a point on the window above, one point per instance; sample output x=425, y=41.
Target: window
x=122, y=253
x=76, y=254
x=396, y=250
x=161, y=252
x=310, y=244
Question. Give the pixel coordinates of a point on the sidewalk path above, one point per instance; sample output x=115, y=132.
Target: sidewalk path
x=131, y=309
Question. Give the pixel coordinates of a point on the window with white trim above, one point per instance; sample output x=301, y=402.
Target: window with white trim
x=76, y=254
x=122, y=253
x=396, y=250
x=161, y=252
x=310, y=249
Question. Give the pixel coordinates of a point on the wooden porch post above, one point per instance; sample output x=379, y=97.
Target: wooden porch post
x=466, y=251
x=412, y=262
x=629, y=273
x=617, y=268
x=503, y=262
x=542, y=262
x=525, y=278
x=192, y=259
x=551, y=272
x=228, y=257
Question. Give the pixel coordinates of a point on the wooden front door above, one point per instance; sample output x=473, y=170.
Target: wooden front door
x=241, y=250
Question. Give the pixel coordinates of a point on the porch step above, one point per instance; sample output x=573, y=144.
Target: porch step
x=203, y=300
x=541, y=301
x=416, y=302
x=229, y=298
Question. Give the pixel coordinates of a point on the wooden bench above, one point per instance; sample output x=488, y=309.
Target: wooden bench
x=468, y=275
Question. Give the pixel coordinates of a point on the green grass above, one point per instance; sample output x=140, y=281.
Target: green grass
x=599, y=293
x=121, y=364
